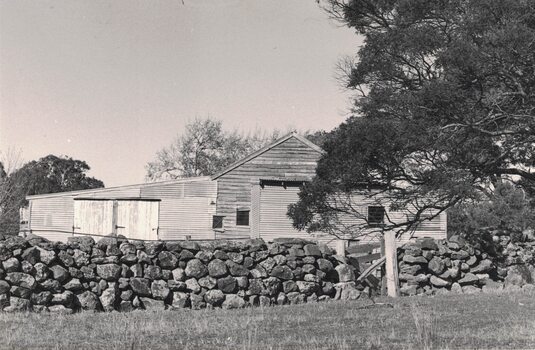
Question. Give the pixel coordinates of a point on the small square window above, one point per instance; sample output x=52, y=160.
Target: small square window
x=242, y=217
x=376, y=216
x=217, y=221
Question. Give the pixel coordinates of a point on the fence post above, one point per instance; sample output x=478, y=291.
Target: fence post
x=392, y=281
x=341, y=247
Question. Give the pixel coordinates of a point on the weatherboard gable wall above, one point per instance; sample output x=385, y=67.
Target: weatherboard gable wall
x=288, y=159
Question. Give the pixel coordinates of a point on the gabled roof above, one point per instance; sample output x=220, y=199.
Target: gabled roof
x=267, y=148
x=124, y=187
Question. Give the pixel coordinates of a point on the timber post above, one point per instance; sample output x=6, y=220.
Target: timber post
x=391, y=263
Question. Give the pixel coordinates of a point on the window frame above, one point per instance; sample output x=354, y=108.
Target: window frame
x=222, y=220
x=241, y=211
x=374, y=223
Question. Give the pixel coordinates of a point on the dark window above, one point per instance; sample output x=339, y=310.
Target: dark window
x=217, y=221
x=376, y=215
x=242, y=217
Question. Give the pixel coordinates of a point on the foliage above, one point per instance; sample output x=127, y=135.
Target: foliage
x=507, y=208
x=49, y=174
x=206, y=148
x=444, y=107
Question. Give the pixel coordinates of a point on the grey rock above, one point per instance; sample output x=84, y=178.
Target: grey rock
x=214, y=297
x=18, y=304
x=324, y=265
x=468, y=278
x=195, y=268
x=207, y=282
x=160, y=290
x=414, y=259
x=66, y=298
x=237, y=269
x=259, y=272
x=268, y=264
x=436, y=265
x=65, y=258
x=4, y=287
x=88, y=301
x=20, y=292
x=60, y=310
x=308, y=268
x=345, y=273
x=243, y=282
x=140, y=286
x=272, y=286
x=109, y=272
x=179, y=274
x=439, y=282
x=197, y=302
x=168, y=260
x=11, y=265
x=41, y=272
x=307, y=288
x=73, y=285
x=193, y=285
x=236, y=257
x=218, y=268
x=282, y=272
x=180, y=300
x=233, y=301
x=51, y=285
x=81, y=258
x=204, y=256
x=483, y=267
x=31, y=255
x=227, y=284
x=21, y=279
x=153, y=272
x=296, y=298
x=108, y=298
x=312, y=250
x=152, y=304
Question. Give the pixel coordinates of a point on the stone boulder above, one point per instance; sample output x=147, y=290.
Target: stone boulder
x=282, y=272
x=21, y=279
x=345, y=273
x=109, y=272
x=233, y=301
x=159, y=290
x=195, y=268
x=88, y=301
x=214, y=297
x=140, y=286
x=218, y=268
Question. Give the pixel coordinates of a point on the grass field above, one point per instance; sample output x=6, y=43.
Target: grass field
x=443, y=322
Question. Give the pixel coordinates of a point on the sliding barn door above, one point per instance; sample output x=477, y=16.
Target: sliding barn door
x=138, y=219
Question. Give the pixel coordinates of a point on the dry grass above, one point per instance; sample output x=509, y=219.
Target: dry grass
x=444, y=322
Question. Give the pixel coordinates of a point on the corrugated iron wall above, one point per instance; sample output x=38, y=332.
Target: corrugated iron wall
x=186, y=208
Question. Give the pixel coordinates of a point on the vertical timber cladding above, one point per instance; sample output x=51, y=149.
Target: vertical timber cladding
x=287, y=159
x=93, y=216
x=135, y=218
x=138, y=219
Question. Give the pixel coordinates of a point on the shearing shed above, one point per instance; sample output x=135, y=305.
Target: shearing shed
x=248, y=199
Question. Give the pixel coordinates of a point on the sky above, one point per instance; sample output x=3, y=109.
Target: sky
x=112, y=82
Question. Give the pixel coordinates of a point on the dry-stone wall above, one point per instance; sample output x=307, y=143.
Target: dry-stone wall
x=112, y=274
x=429, y=267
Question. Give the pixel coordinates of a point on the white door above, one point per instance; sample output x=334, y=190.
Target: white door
x=138, y=219
x=93, y=217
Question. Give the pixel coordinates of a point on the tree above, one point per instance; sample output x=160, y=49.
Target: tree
x=444, y=107
x=206, y=148
x=49, y=174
